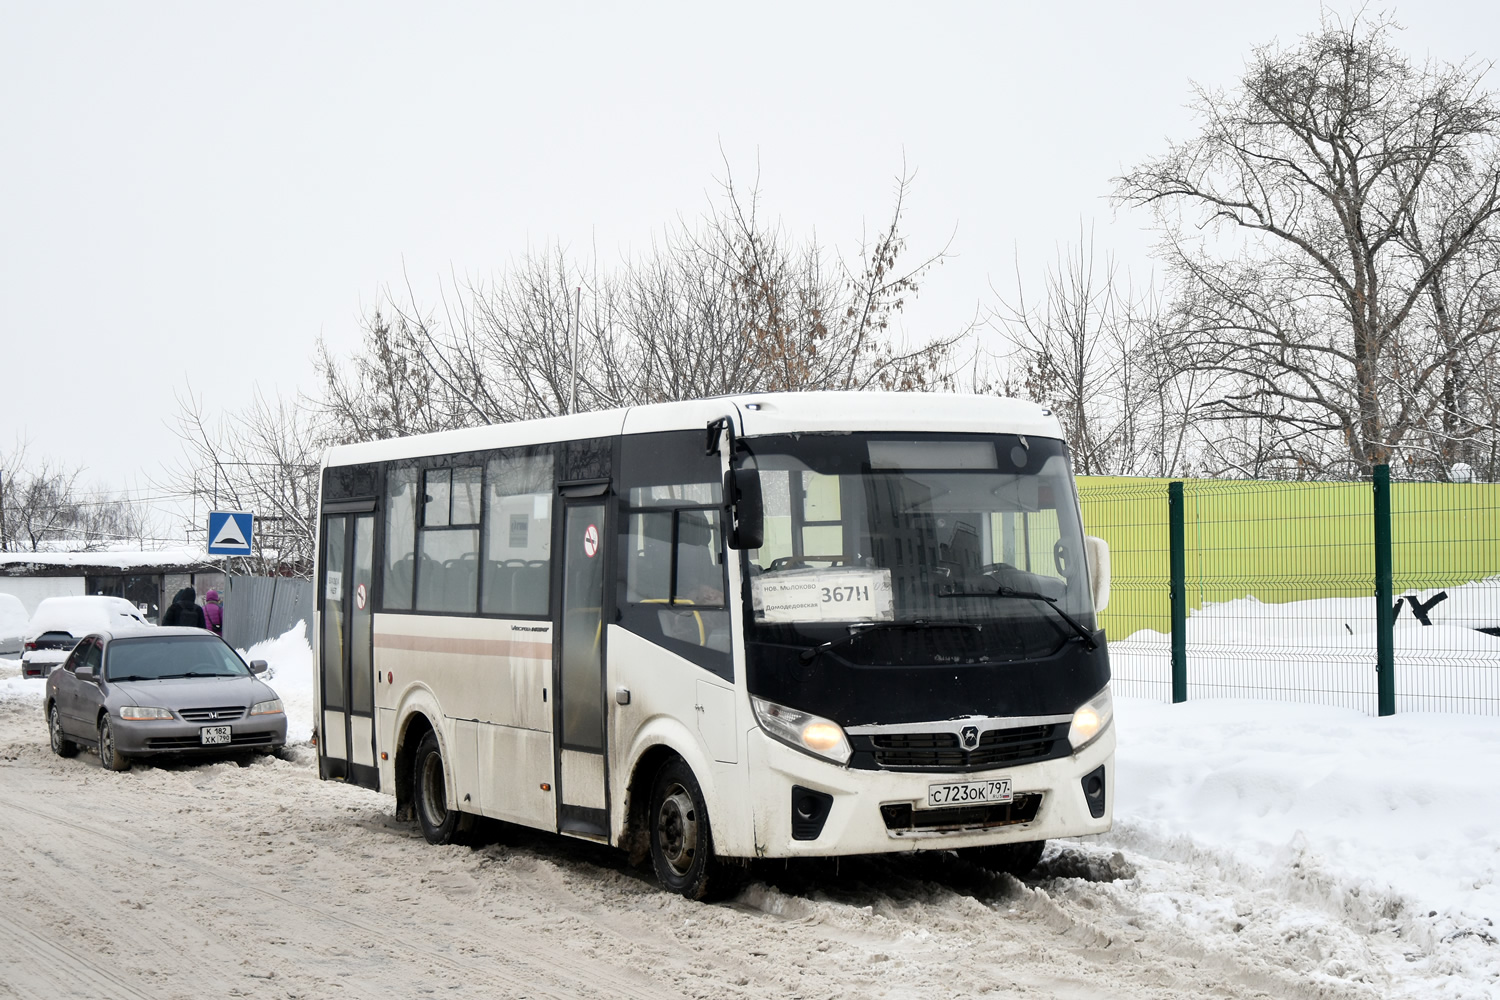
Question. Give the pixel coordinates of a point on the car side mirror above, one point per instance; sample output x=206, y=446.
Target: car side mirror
x=258, y=666
x=742, y=496
x=85, y=672
x=1098, y=556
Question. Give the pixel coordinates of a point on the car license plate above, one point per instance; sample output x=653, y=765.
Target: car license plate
x=214, y=734
x=958, y=793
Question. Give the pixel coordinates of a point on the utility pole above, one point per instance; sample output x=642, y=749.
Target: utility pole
x=573, y=362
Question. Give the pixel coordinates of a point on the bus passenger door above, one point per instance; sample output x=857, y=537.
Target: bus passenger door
x=346, y=731
x=582, y=799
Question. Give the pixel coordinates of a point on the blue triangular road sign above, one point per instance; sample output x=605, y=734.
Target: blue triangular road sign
x=229, y=532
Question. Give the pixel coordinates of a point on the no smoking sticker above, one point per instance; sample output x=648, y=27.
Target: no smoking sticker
x=590, y=541
x=359, y=597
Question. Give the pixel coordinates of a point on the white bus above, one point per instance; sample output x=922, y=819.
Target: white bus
x=758, y=626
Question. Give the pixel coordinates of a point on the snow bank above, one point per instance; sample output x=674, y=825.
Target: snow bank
x=289, y=671
x=1381, y=823
x=17, y=693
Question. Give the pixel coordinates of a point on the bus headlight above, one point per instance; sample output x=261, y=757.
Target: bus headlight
x=809, y=733
x=1091, y=720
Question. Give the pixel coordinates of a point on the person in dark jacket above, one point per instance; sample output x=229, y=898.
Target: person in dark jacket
x=213, y=612
x=185, y=610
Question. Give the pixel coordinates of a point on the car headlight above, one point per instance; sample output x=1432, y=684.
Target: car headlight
x=1091, y=720
x=810, y=733
x=272, y=707
x=143, y=713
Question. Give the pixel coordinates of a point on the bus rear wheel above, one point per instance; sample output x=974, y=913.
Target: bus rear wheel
x=440, y=825
x=682, y=851
x=1015, y=859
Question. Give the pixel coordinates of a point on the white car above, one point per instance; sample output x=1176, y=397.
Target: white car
x=59, y=622
x=12, y=625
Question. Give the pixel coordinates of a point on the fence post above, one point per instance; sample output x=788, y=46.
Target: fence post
x=1385, y=616
x=1178, y=586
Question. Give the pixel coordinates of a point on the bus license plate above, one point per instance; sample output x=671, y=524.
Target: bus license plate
x=214, y=734
x=996, y=790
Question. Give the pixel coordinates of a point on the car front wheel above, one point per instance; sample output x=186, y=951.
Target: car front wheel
x=61, y=745
x=110, y=755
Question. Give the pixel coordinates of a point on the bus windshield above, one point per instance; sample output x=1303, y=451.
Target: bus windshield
x=966, y=540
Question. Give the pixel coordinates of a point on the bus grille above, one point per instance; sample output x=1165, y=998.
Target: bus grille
x=942, y=751
x=901, y=817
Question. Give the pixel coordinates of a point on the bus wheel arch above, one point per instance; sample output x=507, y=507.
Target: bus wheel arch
x=415, y=726
x=636, y=840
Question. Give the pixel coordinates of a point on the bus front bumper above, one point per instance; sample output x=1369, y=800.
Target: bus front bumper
x=810, y=807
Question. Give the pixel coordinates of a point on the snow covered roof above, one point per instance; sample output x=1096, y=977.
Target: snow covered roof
x=79, y=563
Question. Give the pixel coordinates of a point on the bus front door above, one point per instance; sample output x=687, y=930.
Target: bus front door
x=346, y=730
x=582, y=796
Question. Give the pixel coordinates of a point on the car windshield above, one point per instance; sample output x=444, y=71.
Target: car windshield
x=947, y=531
x=163, y=657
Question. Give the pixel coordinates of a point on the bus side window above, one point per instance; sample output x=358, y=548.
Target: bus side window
x=400, y=537
x=672, y=570
x=518, y=534
x=448, y=542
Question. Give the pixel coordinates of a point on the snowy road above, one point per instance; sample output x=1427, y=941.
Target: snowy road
x=215, y=880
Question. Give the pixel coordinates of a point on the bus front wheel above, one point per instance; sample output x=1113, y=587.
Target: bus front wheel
x=682, y=850
x=440, y=825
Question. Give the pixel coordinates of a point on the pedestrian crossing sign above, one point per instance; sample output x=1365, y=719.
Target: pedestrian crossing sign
x=229, y=532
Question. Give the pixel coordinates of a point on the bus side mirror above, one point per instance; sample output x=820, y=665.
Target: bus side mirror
x=746, y=513
x=1098, y=556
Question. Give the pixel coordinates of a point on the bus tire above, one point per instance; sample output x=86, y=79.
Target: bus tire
x=61, y=745
x=682, y=846
x=440, y=825
x=110, y=756
x=1014, y=859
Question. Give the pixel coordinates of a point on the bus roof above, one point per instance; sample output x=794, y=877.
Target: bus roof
x=755, y=415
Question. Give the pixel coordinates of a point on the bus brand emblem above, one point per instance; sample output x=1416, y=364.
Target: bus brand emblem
x=970, y=736
x=590, y=541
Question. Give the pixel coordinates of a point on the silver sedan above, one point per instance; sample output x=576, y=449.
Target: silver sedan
x=145, y=692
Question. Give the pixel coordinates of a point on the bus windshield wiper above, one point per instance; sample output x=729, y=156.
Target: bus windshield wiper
x=1031, y=595
x=859, y=629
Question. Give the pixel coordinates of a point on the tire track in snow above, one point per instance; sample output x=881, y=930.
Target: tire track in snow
x=528, y=984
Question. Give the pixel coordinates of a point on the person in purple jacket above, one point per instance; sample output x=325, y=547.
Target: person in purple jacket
x=213, y=612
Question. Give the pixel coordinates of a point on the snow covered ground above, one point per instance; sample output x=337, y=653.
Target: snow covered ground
x=1260, y=849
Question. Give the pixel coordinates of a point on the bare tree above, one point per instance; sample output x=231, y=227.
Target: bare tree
x=729, y=304
x=1099, y=354
x=264, y=459
x=1309, y=225
x=43, y=507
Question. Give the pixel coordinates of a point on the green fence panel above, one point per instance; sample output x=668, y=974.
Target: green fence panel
x=1445, y=559
x=1280, y=581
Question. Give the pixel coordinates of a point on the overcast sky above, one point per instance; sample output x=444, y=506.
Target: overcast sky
x=192, y=194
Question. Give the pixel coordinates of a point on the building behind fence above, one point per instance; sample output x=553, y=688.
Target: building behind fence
x=1279, y=589
x=257, y=608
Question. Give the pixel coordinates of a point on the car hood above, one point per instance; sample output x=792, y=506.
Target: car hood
x=191, y=692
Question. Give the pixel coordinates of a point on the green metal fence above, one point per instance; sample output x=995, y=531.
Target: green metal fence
x=1295, y=592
